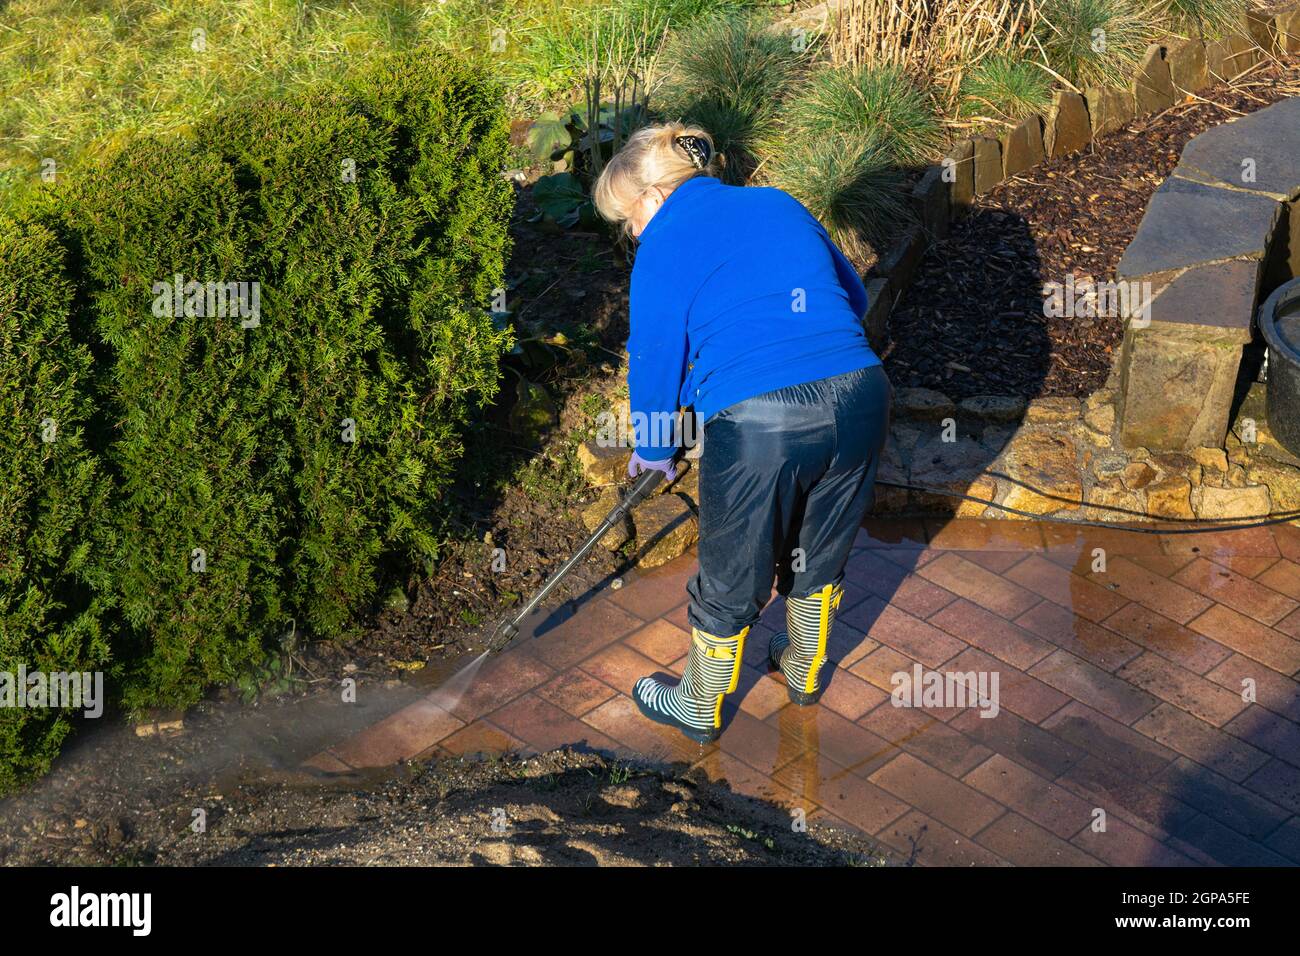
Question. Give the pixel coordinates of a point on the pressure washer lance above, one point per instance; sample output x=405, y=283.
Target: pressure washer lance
x=641, y=489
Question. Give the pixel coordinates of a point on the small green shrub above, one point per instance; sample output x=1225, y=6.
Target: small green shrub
x=196, y=516
x=52, y=494
x=1201, y=18
x=253, y=454
x=1004, y=88
x=729, y=75
x=878, y=101
x=849, y=182
x=1093, y=42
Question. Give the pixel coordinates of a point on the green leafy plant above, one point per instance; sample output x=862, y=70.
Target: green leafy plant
x=729, y=75
x=880, y=101
x=1201, y=18
x=283, y=455
x=562, y=198
x=1092, y=42
x=849, y=182
x=1004, y=88
x=54, y=598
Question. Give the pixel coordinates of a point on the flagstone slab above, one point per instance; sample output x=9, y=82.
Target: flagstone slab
x=1189, y=223
x=1258, y=152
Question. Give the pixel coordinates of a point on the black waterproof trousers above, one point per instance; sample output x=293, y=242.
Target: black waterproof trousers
x=786, y=478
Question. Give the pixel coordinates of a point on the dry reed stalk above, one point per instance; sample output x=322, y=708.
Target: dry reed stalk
x=934, y=40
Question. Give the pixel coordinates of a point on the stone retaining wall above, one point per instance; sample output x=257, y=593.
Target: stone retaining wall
x=1156, y=442
x=1203, y=253
x=1168, y=72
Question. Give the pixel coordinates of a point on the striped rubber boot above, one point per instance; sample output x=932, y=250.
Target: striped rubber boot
x=694, y=706
x=800, y=651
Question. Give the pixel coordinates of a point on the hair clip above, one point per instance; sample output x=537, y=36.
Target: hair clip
x=697, y=148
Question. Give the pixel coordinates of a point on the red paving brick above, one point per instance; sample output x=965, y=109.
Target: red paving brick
x=897, y=629
x=1110, y=740
x=1120, y=844
x=1262, y=541
x=1103, y=647
x=1159, y=692
x=1268, y=688
x=1238, y=592
x=1030, y=795
x=480, y=737
x=575, y=692
x=1149, y=589
x=654, y=593
x=596, y=625
x=847, y=694
x=542, y=726
x=1025, y=843
x=945, y=798
x=863, y=805
x=500, y=679
x=919, y=734
x=1027, y=744
x=992, y=634
x=621, y=667
x=402, y=736
x=1180, y=731
x=988, y=590
x=1179, y=644
x=815, y=730
x=764, y=697
x=1249, y=637
x=1061, y=586
x=1182, y=688
x=1282, y=576
x=660, y=641
x=972, y=534
x=1121, y=794
x=926, y=842
x=1093, y=686
x=1016, y=691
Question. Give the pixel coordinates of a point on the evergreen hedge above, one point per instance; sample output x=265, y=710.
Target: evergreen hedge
x=281, y=464
x=52, y=492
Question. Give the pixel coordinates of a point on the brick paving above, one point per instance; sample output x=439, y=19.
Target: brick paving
x=1146, y=711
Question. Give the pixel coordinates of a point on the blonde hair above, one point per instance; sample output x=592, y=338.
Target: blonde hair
x=651, y=157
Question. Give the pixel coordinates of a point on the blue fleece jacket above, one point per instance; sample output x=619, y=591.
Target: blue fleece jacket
x=736, y=291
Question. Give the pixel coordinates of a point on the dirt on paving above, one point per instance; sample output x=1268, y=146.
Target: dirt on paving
x=973, y=321
x=565, y=808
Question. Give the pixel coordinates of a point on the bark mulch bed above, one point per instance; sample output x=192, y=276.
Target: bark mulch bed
x=972, y=323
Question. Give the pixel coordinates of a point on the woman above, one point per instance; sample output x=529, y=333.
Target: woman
x=743, y=307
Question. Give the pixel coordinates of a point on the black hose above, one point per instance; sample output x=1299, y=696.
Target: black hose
x=1253, y=521
x=645, y=483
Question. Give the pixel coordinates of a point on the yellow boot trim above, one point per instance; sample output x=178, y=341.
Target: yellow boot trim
x=830, y=600
x=723, y=651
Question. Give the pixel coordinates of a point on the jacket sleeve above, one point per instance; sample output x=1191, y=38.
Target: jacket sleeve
x=657, y=352
x=849, y=279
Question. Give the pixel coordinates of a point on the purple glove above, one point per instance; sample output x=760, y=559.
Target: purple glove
x=637, y=464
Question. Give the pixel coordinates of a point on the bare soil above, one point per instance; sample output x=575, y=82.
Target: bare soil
x=560, y=808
